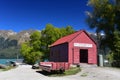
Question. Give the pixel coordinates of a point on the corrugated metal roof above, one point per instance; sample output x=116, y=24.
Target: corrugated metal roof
x=67, y=38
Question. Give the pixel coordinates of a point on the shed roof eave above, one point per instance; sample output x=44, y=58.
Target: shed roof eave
x=57, y=44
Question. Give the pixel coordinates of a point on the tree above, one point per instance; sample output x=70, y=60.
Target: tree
x=31, y=50
x=116, y=51
x=50, y=34
x=35, y=40
x=105, y=17
x=38, y=46
x=67, y=30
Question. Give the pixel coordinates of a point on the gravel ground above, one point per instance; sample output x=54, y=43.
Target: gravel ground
x=97, y=73
x=24, y=72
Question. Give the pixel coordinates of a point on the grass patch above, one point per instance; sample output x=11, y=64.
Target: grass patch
x=71, y=71
x=8, y=68
x=1, y=70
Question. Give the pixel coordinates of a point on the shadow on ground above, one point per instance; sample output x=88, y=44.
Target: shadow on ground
x=50, y=73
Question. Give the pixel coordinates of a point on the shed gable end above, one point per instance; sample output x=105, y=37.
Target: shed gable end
x=83, y=37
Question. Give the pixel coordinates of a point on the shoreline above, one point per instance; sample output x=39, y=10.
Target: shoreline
x=6, y=61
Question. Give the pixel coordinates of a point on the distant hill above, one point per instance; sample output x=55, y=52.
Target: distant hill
x=20, y=36
x=10, y=42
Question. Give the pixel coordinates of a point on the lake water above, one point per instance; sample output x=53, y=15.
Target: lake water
x=5, y=61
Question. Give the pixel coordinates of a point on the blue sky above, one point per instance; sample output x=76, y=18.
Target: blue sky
x=18, y=15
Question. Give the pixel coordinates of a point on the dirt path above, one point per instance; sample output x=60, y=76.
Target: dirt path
x=24, y=72
x=97, y=73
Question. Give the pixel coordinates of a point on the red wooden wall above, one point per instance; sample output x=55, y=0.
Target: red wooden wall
x=67, y=52
x=74, y=52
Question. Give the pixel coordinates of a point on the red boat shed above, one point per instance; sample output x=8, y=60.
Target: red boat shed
x=75, y=48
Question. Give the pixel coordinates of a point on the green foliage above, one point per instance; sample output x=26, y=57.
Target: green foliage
x=110, y=57
x=67, y=30
x=105, y=18
x=50, y=34
x=35, y=40
x=31, y=50
x=117, y=41
x=116, y=50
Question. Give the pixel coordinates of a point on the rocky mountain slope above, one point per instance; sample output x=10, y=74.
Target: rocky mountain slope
x=10, y=42
x=20, y=36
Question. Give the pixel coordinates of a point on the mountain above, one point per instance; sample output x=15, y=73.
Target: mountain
x=6, y=33
x=20, y=36
x=10, y=42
